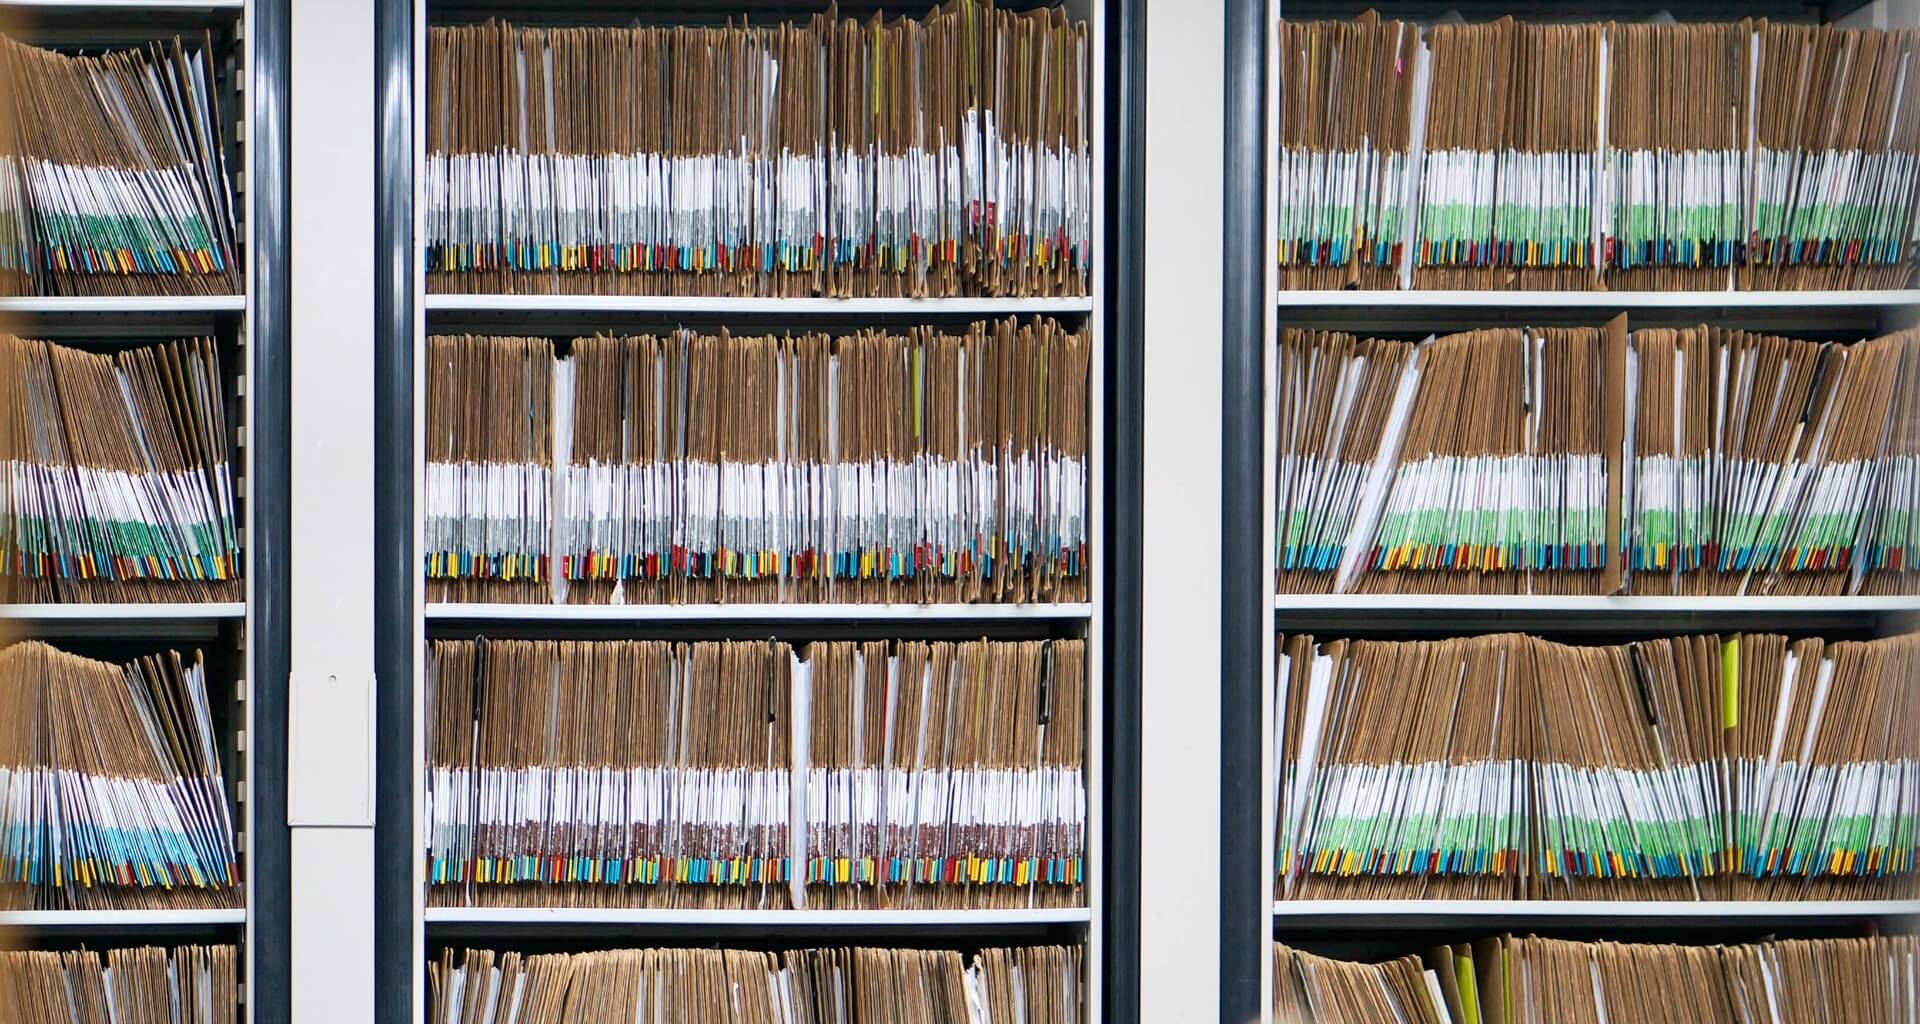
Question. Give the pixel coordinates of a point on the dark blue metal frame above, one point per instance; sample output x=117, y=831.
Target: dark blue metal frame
x=269, y=341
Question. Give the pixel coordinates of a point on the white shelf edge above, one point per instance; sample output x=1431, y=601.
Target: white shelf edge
x=1564, y=603
x=149, y=305
x=754, y=612
x=126, y=5
x=118, y=918
x=561, y=916
x=699, y=304
x=121, y=612
x=1599, y=910
x=1392, y=300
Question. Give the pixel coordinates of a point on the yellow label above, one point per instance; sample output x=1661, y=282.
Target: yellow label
x=1730, y=682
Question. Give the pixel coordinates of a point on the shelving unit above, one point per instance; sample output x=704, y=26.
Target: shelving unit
x=1381, y=926
x=239, y=653
x=423, y=928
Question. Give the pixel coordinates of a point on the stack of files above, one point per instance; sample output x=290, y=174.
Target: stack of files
x=1019, y=985
x=945, y=776
x=118, y=484
x=111, y=790
x=1759, y=465
x=922, y=466
x=621, y=774
x=1510, y=980
x=1512, y=147
x=1310, y=989
x=1765, y=465
x=654, y=775
x=113, y=176
x=1478, y=463
x=1674, y=176
x=490, y=454
x=940, y=156
x=145, y=985
x=1571, y=157
x=1836, y=178
x=1684, y=768
x=1346, y=132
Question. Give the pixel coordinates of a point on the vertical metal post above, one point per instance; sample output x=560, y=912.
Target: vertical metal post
x=1244, y=893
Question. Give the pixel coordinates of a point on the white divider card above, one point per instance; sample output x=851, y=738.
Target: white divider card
x=1016, y=985
x=922, y=466
x=144, y=985
x=648, y=774
x=948, y=155
x=113, y=177
x=1705, y=157
x=1513, y=980
x=118, y=485
x=1685, y=768
x=112, y=795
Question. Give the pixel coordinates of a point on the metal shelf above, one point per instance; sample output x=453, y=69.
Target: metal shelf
x=604, y=304
x=1368, y=915
x=1470, y=612
x=796, y=926
x=1892, y=298
x=724, y=613
x=114, y=621
x=123, y=6
x=563, y=916
x=1414, y=309
x=119, y=305
x=129, y=920
x=121, y=612
x=115, y=320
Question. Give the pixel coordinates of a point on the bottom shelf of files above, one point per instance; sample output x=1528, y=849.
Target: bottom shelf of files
x=1522, y=979
x=185, y=984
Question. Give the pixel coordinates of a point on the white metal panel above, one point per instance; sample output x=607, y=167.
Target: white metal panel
x=331, y=904
x=331, y=97
x=1180, y=658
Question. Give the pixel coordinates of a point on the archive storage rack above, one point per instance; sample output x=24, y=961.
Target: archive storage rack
x=243, y=640
x=1255, y=612
x=409, y=932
